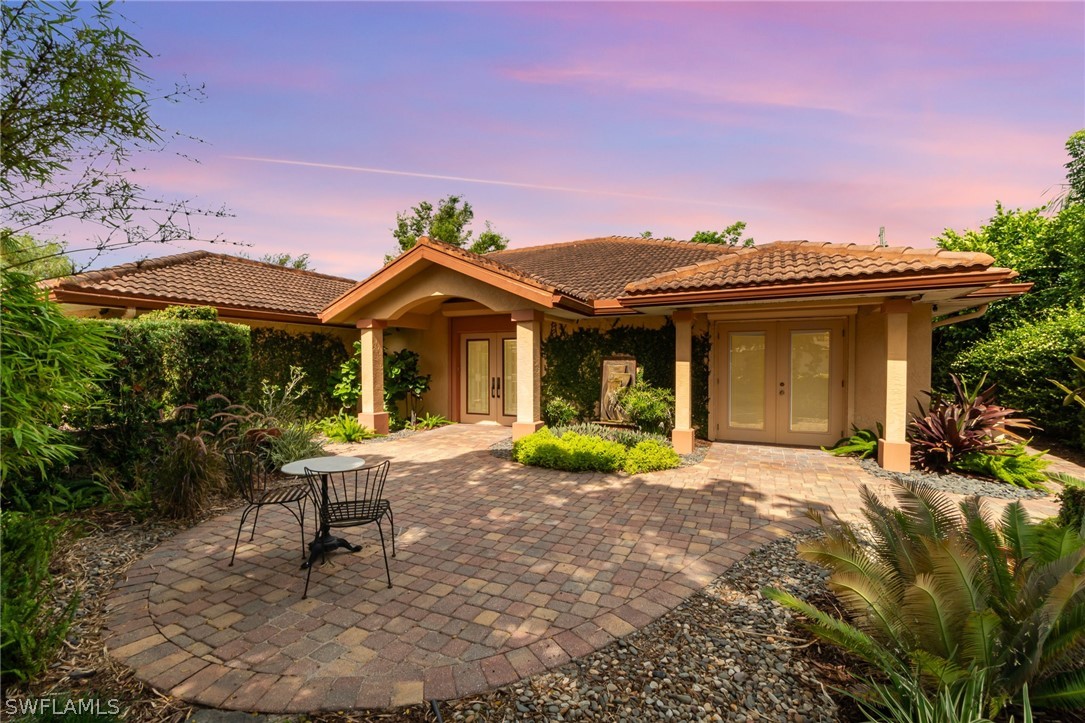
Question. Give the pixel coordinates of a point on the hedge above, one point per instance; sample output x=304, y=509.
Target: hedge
x=162, y=364
x=1022, y=359
x=573, y=363
x=318, y=355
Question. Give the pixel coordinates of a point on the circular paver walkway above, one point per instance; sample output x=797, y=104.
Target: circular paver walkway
x=502, y=572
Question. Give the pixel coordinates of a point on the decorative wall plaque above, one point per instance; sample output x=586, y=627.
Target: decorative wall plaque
x=618, y=373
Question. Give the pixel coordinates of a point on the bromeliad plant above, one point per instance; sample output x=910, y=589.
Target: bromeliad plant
x=862, y=443
x=951, y=591
x=968, y=422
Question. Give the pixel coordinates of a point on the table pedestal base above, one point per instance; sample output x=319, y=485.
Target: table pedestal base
x=325, y=544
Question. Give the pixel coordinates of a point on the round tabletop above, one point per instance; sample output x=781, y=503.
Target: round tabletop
x=323, y=465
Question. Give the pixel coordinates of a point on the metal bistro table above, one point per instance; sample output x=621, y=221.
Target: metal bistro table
x=324, y=541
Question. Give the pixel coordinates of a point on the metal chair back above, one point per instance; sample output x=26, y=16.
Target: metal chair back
x=353, y=497
x=247, y=475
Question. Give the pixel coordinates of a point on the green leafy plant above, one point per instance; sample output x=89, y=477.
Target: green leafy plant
x=187, y=313
x=558, y=412
x=622, y=435
x=571, y=452
x=1012, y=465
x=345, y=428
x=967, y=422
x=31, y=629
x=276, y=352
x=51, y=364
x=187, y=474
x=404, y=382
x=280, y=403
x=1073, y=395
x=430, y=421
x=948, y=590
x=294, y=442
x=650, y=408
x=650, y=456
x=862, y=443
x=1071, y=500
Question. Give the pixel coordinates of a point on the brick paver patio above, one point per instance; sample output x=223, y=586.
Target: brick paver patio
x=502, y=572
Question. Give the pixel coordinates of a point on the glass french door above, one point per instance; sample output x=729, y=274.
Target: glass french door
x=780, y=382
x=488, y=378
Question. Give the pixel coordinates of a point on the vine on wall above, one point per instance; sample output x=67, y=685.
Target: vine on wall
x=573, y=363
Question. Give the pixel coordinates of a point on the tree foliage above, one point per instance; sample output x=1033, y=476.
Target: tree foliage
x=730, y=236
x=300, y=261
x=1075, y=168
x=448, y=222
x=38, y=260
x=76, y=112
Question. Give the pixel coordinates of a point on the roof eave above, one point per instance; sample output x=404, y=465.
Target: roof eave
x=821, y=288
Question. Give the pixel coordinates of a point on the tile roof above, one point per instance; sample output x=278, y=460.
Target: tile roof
x=791, y=262
x=201, y=277
x=600, y=268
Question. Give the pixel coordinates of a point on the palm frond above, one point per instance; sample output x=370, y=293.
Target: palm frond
x=981, y=634
x=929, y=616
x=933, y=512
x=1019, y=534
x=1065, y=691
x=1066, y=641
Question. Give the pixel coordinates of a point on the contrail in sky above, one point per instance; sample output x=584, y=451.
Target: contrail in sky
x=485, y=181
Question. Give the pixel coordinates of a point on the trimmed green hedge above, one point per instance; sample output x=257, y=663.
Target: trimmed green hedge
x=162, y=364
x=573, y=364
x=576, y=452
x=1022, y=359
x=319, y=355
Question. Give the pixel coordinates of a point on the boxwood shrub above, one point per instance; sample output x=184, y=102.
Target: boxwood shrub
x=576, y=452
x=649, y=456
x=1022, y=359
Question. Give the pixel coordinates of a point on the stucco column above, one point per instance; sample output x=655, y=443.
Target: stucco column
x=528, y=373
x=894, y=452
x=371, y=402
x=682, y=436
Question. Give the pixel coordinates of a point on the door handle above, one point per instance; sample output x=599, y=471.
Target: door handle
x=493, y=382
x=499, y=387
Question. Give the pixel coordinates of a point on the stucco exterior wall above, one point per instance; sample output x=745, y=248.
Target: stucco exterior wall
x=432, y=346
x=870, y=362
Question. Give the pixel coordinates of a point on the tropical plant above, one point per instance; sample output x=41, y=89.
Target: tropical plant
x=345, y=428
x=966, y=423
x=279, y=403
x=51, y=364
x=31, y=628
x=650, y=408
x=404, y=382
x=862, y=443
x=949, y=590
x=1012, y=465
x=430, y=421
x=1071, y=500
x=294, y=441
x=1073, y=395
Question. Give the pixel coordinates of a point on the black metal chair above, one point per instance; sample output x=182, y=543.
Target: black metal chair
x=251, y=480
x=349, y=499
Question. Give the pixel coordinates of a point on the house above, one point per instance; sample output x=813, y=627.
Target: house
x=806, y=338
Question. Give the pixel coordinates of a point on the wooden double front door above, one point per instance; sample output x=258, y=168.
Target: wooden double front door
x=779, y=382
x=488, y=377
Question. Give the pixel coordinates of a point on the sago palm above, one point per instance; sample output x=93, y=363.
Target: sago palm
x=948, y=589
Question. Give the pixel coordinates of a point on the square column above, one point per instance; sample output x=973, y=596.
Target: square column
x=371, y=376
x=528, y=373
x=894, y=452
x=682, y=436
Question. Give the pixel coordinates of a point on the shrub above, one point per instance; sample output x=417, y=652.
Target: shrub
x=862, y=443
x=402, y=381
x=1021, y=358
x=1013, y=466
x=186, y=475
x=31, y=629
x=345, y=428
x=649, y=456
x=51, y=363
x=430, y=421
x=573, y=452
x=625, y=437
x=185, y=313
x=573, y=362
x=276, y=352
x=1071, y=501
x=948, y=591
x=650, y=408
x=558, y=412
x=969, y=422
x=294, y=442
x=281, y=404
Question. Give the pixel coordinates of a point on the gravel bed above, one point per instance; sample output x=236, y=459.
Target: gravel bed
x=955, y=483
x=726, y=654
x=502, y=449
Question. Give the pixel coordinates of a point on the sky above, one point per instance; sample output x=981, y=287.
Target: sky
x=559, y=121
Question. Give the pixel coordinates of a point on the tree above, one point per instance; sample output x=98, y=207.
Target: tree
x=37, y=260
x=75, y=113
x=730, y=236
x=291, y=262
x=447, y=223
x=1075, y=168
